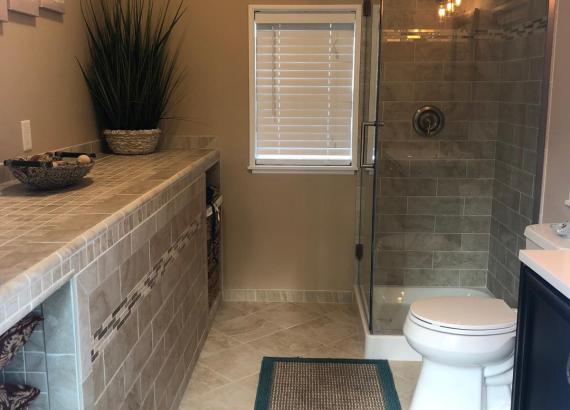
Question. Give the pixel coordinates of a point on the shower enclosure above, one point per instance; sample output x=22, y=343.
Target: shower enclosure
x=454, y=102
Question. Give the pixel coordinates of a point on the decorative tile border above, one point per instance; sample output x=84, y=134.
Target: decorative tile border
x=509, y=33
x=288, y=295
x=113, y=323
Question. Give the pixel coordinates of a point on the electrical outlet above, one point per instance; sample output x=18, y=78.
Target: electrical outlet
x=26, y=135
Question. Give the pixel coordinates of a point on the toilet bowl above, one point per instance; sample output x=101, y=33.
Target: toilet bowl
x=467, y=346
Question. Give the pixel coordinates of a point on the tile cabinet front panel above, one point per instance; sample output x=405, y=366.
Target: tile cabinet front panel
x=143, y=309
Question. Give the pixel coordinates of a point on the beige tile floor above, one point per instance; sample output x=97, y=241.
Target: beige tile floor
x=226, y=374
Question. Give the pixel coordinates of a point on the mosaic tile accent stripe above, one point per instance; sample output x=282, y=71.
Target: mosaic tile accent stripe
x=445, y=35
x=104, y=334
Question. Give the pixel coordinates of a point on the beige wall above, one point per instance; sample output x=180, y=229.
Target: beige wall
x=40, y=81
x=557, y=168
x=281, y=231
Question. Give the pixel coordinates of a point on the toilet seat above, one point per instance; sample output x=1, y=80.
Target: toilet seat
x=464, y=315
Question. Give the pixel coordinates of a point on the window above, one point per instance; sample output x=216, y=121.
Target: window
x=304, y=88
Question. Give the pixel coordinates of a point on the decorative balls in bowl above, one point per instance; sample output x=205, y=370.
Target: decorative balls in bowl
x=51, y=170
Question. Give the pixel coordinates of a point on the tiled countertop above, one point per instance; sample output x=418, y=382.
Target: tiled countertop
x=553, y=266
x=45, y=237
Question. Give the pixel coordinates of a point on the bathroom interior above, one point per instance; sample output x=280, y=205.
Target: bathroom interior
x=336, y=204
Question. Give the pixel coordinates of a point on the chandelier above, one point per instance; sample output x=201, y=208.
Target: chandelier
x=447, y=8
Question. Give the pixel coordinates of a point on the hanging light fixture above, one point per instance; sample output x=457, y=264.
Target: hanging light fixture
x=442, y=12
x=447, y=8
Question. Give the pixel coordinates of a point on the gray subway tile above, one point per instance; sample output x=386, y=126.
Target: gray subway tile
x=389, y=277
x=473, y=278
x=396, y=131
x=438, y=168
x=104, y=300
x=436, y=206
x=394, y=168
x=443, y=51
x=522, y=181
x=432, y=277
x=465, y=187
x=397, y=91
x=506, y=195
x=409, y=150
x=509, y=154
x=404, y=71
x=442, y=91
x=486, y=91
x=430, y=241
x=405, y=259
x=478, y=206
x=462, y=224
x=397, y=51
x=460, y=260
x=392, y=205
x=406, y=223
x=480, y=168
x=134, y=269
x=489, y=50
x=391, y=241
x=467, y=149
x=408, y=187
x=475, y=242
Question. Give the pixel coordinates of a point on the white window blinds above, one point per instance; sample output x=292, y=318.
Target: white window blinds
x=304, y=92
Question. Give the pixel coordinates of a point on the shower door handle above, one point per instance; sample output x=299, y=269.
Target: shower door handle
x=363, y=143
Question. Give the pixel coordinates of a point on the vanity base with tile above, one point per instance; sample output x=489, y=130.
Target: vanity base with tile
x=123, y=282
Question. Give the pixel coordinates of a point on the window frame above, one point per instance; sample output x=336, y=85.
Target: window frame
x=305, y=169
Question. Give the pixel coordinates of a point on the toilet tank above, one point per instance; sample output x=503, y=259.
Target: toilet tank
x=543, y=237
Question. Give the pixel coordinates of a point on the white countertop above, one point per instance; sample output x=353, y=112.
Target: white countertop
x=553, y=266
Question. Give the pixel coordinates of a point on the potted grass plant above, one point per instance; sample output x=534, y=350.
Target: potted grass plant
x=130, y=72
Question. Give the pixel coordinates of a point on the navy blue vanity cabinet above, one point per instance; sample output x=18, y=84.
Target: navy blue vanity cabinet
x=542, y=357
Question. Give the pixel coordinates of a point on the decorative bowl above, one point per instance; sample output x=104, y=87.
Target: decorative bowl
x=51, y=170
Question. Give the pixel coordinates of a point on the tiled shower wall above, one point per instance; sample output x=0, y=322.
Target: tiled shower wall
x=435, y=193
x=446, y=201
x=522, y=58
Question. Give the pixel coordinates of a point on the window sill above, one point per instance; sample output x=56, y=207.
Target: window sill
x=313, y=170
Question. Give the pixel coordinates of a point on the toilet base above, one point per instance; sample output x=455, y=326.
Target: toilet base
x=443, y=387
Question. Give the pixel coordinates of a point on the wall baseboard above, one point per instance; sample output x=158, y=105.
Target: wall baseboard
x=288, y=295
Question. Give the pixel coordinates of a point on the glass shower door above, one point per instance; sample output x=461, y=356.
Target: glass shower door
x=367, y=171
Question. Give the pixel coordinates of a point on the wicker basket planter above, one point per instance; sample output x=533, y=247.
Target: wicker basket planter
x=135, y=142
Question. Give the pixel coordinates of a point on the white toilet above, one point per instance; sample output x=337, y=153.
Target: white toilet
x=467, y=345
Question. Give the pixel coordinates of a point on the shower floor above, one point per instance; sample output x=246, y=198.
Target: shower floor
x=390, y=308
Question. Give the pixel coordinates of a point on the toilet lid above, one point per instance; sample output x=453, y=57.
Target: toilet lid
x=465, y=313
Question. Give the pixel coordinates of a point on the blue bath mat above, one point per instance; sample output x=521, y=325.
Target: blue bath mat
x=331, y=384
